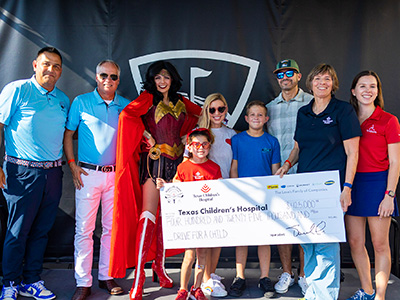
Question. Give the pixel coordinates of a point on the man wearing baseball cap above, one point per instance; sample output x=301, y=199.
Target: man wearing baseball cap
x=282, y=112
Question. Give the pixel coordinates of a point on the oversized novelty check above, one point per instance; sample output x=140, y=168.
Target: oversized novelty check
x=300, y=208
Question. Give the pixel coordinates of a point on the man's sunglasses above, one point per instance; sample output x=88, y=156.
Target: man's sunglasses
x=104, y=76
x=289, y=74
x=197, y=145
x=221, y=109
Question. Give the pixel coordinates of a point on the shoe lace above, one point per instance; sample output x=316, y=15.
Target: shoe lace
x=199, y=294
x=10, y=291
x=182, y=294
x=303, y=281
x=285, y=277
x=358, y=295
x=266, y=283
x=237, y=284
x=39, y=285
x=216, y=277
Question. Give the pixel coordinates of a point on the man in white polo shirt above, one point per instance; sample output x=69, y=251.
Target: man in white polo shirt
x=95, y=115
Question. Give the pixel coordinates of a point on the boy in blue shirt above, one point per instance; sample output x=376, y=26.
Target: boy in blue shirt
x=255, y=153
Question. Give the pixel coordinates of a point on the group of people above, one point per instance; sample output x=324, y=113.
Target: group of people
x=127, y=151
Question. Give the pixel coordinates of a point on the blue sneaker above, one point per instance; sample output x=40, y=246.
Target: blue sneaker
x=9, y=292
x=36, y=290
x=361, y=295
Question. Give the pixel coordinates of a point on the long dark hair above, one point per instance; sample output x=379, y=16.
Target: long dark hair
x=379, y=98
x=150, y=86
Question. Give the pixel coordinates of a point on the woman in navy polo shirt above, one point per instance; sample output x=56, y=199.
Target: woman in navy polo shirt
x=326, y=138
x=373, y=195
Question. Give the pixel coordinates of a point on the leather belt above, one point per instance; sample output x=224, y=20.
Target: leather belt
x=104, y=169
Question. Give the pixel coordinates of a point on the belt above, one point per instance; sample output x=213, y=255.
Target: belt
x=104, y=169
x=172, y=151
x=33, y=164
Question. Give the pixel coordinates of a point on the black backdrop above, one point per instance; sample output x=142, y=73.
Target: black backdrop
x=229, y=46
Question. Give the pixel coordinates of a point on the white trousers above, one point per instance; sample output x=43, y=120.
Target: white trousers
x=98, y=187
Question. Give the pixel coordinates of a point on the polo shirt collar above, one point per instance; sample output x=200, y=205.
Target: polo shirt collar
x=298, y=97
x=101, y=101
x=41, y=89
x=331, y=106
x=329, y=109
x=376, y=115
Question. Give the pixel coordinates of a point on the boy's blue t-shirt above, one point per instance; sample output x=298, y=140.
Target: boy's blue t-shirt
x=255, y=155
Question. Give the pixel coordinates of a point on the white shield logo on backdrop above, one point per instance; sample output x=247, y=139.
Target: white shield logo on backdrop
x=197, y=73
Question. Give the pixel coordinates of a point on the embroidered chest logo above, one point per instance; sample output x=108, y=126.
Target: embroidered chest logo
x=327, y=121
x=372, y=129
x=198, y=176
x=63, y=108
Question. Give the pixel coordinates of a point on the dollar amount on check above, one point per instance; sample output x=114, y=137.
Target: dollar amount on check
x=300, y=208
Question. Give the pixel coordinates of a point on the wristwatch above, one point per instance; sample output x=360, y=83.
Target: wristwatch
x=390, y=193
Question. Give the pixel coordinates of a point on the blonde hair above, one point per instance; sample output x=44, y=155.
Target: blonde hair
x=205, y=120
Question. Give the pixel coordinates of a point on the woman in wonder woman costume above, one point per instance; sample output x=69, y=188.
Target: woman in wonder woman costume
x=149, y=146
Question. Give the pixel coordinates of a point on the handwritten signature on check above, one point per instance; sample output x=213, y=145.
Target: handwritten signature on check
x=314, y=229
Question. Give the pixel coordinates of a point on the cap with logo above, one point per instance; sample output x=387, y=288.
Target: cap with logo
x=287, y=64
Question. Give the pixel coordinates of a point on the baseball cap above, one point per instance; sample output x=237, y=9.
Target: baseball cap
x=287, y=64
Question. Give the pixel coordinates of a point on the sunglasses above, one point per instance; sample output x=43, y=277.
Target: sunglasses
x=104, y=76
x=221, y=109
x=197, y=145
x=289, y=74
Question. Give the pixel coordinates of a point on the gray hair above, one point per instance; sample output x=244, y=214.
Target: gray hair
x=108, y=61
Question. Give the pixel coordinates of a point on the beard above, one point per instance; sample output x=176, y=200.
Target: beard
x=287, y=85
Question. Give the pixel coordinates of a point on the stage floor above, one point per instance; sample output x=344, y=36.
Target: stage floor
x=62, y=283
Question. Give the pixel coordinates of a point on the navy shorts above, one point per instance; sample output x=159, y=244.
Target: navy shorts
x=368, y=192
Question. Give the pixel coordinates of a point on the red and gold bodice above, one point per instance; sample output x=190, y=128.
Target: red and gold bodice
x=164, y=122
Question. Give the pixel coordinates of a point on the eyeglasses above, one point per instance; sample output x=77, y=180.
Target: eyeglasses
x=104, y=76
x=197, y=145
x=289, y=74
x=221, y=109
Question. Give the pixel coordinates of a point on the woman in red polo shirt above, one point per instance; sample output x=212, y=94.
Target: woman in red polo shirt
x=373, y=194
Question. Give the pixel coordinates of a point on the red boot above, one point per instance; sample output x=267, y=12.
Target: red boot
x=144, y=237
x=159, y=273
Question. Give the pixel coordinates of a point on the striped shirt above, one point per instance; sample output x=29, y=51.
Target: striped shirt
x=282, y=121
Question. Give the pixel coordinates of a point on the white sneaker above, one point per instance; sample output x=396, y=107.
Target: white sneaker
x=285, y=281
x=216, y=277
x=210, y=288
x=217, y=280
x=302, y=282
x=207, y=287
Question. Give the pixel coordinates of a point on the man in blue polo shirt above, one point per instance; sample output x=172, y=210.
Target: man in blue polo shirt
x=33, y=114
x=95, y=115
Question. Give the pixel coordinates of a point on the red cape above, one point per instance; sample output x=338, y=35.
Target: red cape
x=128, y=192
